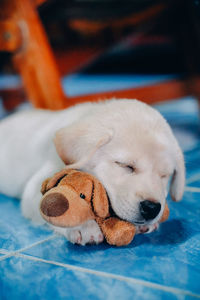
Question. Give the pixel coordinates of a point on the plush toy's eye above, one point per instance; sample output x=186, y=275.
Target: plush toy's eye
x=82, y=196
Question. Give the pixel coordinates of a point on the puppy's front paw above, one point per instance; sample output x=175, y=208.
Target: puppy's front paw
x=88, y=233
x=91, y=233
x=74, y=236
x=147, y=228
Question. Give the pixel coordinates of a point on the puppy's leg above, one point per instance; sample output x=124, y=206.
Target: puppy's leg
x=31, y=196
x=88, y=233
x=147, y=228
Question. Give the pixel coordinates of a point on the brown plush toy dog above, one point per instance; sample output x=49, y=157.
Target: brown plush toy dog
x=73, y=197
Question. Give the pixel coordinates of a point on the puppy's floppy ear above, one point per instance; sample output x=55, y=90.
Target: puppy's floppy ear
x=77, y=143
x=178, y=178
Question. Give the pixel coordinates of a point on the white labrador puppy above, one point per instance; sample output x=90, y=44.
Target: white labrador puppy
x=126, y=144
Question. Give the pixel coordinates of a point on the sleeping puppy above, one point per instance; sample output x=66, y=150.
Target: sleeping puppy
x=126, y=144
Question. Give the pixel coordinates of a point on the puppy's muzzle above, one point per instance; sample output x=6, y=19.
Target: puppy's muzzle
x=149, y=209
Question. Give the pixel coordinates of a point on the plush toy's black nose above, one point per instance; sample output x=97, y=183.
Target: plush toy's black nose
x=54, y=204
x=149, y=209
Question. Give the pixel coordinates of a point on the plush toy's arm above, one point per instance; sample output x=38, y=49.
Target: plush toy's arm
x=117, y=232
x=120, y=233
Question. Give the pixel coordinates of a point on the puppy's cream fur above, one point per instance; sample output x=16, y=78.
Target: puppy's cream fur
x=126, y=144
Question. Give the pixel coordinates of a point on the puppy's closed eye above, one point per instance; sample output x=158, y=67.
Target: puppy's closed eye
x=128, y=167
x=165, y=175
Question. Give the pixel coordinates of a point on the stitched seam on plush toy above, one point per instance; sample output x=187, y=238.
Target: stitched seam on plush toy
x=59, y=180
x=92, y=197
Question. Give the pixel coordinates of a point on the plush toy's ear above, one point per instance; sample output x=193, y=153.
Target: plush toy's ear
x=100, y=200
x=76, y=144
x=49, y=183
x=44, y=186
x=178, y=179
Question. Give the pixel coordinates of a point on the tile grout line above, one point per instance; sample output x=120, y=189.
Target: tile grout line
x=17, y=253
x=113, y=276
x=13, y=253
x=192, y=189
x=3, y=251
x=193, y=178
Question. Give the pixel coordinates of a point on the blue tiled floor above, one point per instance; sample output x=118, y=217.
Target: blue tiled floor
x=36, y=264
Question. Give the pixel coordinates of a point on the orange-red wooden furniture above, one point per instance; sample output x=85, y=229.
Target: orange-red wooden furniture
x=22, y=33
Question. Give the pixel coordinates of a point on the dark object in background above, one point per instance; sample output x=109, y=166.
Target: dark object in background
x=154, y=55
x=100, y=24
x=96, y=20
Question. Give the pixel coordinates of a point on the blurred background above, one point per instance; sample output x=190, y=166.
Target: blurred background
x=57, y=53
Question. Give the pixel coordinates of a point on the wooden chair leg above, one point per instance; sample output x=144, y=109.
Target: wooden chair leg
x=34, y=59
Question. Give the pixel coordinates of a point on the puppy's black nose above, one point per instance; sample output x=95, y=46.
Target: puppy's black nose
x=149, y=209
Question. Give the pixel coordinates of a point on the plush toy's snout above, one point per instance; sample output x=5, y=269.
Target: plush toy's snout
x=62, y=206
